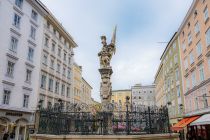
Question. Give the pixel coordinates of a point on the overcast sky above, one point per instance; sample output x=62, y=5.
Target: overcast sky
x=141, y=24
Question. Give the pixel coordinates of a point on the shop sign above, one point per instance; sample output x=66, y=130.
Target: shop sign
x=13, y=114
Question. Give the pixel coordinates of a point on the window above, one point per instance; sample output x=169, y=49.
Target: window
x=50, y=86
x=209, y=62
x=33, y=33
x=59, y=52
x=63, y=89
x=206, y=14
x=69, y=74
x=53, y=47
x=205, y=101
x=208, y=37
x=43, y=81
x=64, y=56
x=57, y=84
x=199, y=49
x=46, y=43
x=14, y=43
x=197, y=28
x=64, y=71
x=196, y=102
x=6, y=97
x=16, y=21
x=28, y=75
x=191, y=58
x=177, y=74
x=185, y=63
x=68, y=92
x=178, y=91
x=10, y=68
x=25, y=101
x=30, y=54
x=174, y=45
x=189, y=38
x=52, y=63
x=183, y=47
x=45, y=59
x=19, y=3
x=201, y=73
x=175, y=59
x=34, y=15
x=69, y=60
x=58, y=67
x=193, y=78
x=187, y=84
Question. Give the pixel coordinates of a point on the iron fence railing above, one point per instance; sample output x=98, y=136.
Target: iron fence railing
x=147, y=120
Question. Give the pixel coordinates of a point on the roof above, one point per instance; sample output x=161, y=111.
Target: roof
x=58, y=24
x=121, y=90
x=87, y=83
x=168, y=45
x=187, y=15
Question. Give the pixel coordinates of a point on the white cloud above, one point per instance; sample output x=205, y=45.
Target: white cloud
x=141, y=24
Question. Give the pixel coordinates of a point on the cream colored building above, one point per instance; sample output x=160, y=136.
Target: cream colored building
x=82, y=89
x=86, y=92
x=119, y=98
x=160, y=97
x=77, y=83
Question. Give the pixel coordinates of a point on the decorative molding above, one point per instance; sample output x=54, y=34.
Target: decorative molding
x=15, y=32
x=18, y=10
x=8, y=83
x=27, y=88
x=34, y=23
x=31, y=43
x=12, y=56
x=29, y=64
x=197, y=87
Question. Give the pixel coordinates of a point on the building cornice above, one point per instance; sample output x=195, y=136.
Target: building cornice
x=187, y=15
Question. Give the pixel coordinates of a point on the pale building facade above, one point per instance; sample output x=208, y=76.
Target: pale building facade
x=77, y=84
x=142, y=95
x=160, y=97
x=25, y=57
x=20, y=40
x=86, y=92
x=173, y=80
x=194, y=40
x=56, y=65
x=118, y=98
x=82, y=89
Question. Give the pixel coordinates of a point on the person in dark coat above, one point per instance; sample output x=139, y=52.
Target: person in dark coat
x=6, y=136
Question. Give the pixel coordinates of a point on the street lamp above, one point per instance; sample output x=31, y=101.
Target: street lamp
x=127, y=115
x=40, y=104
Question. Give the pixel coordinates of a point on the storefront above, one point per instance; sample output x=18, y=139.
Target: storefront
x=15, y=123
x=182, y=126
x=200, y=128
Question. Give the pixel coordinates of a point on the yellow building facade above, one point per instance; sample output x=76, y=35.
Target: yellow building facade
x=119, y=99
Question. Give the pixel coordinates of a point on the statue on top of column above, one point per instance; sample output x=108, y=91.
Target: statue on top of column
x=105, y=55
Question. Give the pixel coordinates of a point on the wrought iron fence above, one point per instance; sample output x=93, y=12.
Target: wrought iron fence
x=145, y=120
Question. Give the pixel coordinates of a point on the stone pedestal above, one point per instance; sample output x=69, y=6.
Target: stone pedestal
x=106, y=86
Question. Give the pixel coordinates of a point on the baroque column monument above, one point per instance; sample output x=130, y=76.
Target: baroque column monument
x=105, y=56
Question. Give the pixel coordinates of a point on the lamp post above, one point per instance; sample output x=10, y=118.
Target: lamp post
x=127, y=114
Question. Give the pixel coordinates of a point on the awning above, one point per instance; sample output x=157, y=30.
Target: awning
x=183, y=123
x=203, y=120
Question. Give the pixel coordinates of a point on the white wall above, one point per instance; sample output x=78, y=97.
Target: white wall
x=7, y=10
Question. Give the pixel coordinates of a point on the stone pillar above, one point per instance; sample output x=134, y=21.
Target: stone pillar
x=17, y=132
x=106, y=86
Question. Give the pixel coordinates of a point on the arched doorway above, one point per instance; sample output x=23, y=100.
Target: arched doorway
x=3, y=126
x=21, y=129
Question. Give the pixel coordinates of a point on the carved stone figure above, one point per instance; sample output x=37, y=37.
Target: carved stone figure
x=105, y=56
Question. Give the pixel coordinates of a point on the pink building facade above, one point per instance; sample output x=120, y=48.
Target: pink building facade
x=194, y=42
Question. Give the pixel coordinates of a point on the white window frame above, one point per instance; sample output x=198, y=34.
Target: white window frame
x=30, y=54
x=16, y=20
x=33, y=32
x=25, y=100
x=6, y=97
x=14, y=44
